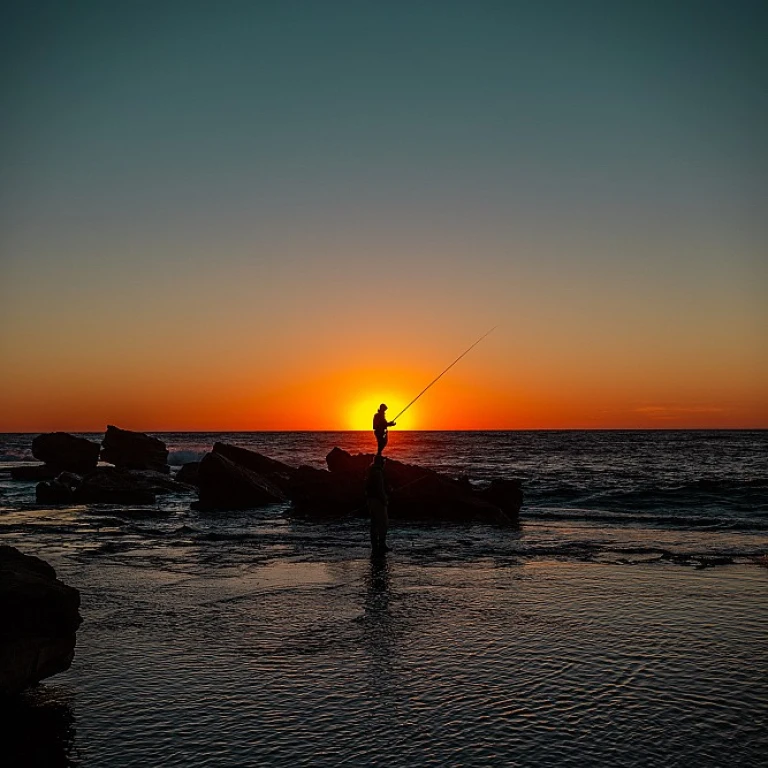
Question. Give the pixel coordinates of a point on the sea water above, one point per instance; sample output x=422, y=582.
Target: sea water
x=623, y=622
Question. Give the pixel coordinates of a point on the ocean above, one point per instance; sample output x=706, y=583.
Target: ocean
x=622, y=623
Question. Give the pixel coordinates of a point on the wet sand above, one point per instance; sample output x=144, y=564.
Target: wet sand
x=306, y=662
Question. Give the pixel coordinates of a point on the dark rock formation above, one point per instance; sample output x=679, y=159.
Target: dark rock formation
x=134, y=450
x=112, y=486
x=320, y=493
x=505, y=494
x=226, y=478
x=34, y=473
x=63, y=451
x=421, y=494
x=109, y=485
x=38, y=620
x=223, y=484
x=275, y=471
x=54, y=492
x=187, y=473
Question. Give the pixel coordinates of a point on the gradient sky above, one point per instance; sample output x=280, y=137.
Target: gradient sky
x=274, y=215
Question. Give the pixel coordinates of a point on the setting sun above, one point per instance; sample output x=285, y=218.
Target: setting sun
x=360, y=413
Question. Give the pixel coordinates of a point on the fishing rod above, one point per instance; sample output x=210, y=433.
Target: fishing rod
x=435, y=380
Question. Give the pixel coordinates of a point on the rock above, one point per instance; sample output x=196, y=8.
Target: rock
x=276, y=472
x=505, y=494
x=66, y=452
x=61, y=490
x=187, y=474
x=54, y=492
x=320, y=493
x=223, y=484
x=149, y=479
x=34, y=473
x=108, y=485
x=420, y=494
x=39, y=617
x=134, y=450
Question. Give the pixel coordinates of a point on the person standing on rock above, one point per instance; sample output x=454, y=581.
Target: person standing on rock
x=376, y=497
x=380, y=426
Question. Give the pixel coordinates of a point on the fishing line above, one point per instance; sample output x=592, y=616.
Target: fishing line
x=435, y=380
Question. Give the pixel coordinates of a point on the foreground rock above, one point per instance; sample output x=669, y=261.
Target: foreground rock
x=39, y=617
x=223, y=484
x=134, y=450
x=65, y=452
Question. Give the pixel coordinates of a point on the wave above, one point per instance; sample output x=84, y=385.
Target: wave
x=177, y=458
x=629, y=518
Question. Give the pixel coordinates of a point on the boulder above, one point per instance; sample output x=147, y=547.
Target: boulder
x=53, y=492
x=34, y=473
x=63, y=451
x=109, y=485
x=505, y=494
x=320, y=493
x=39, y=616
x=134, y=450
x=223, y=484
x=187, y=473
x=275, y=471
x=421, y=494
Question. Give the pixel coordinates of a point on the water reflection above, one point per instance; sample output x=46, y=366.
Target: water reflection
x=38, y=728
x=379, y=636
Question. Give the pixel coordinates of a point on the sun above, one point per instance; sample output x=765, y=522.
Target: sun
x=360, y=412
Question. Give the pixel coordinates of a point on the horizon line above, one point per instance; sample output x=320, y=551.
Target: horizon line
x=425, y=431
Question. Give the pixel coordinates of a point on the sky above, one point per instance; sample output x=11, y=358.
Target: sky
x=276, y=215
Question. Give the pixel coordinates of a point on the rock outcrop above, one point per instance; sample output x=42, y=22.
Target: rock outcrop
x=108, y=485
x=416, y=494
x=187, y=473
x=61, y=452
x=134, y=450
x=39, y=616
x=275, y=471
x=419, y=494
x=64, y=452
x=223, y=484
x=34, y=472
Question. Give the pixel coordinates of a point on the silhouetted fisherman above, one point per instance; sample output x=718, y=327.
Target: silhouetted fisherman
x=376, y=496
x=380, y=425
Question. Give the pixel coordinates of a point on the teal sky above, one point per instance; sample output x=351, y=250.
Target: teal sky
x=585, y=173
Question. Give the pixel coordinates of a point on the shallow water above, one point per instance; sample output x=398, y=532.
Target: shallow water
x=596, y=634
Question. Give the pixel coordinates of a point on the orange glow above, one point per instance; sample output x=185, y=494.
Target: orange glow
x=361, y=410
x=198, y=383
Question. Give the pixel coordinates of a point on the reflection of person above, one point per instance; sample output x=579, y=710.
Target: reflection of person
x=376, y=496
x=380, y=425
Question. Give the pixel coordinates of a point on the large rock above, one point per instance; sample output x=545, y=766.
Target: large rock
x=134, y=450
x=320, y=493
x=223, y=484
x=38, y=620
x=187, y=473
x=34, y=472
x=63, y=451
x=109, y=485
x=421, y=494
x=275, y=471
